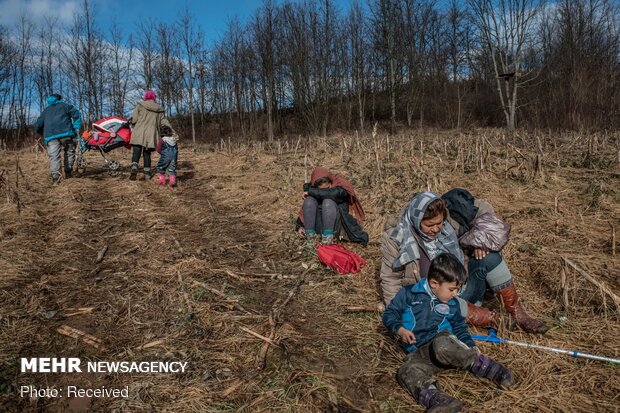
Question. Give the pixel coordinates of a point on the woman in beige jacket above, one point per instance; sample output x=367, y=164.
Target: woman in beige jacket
x=145, y=121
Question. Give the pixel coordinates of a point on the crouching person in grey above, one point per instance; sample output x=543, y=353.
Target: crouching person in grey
x=59, y=123
x=427, y=319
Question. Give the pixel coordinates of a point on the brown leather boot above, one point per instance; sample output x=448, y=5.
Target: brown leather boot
x=512, y=304
x=481, y=317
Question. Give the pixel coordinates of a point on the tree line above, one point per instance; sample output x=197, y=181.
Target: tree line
x=309, y=67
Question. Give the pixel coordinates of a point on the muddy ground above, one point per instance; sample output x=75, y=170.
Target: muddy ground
x=198, y=273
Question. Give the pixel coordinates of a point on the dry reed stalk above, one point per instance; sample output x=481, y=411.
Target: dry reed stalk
x=305, y=168
x=601, y=285
x=255, y=334
x=101, y=254
x=538, y=165
x=220, y=294
x=80, y=335
x=243, y=279
x=231, y=389
x=131, y=250
x=79, y=311
x=178, y=245
x=151, y=344
x=297, y=145
x=505, y=144
x=376, y=146
x=274, y=320
x=421, y=153
x=564, y=285
x=361, y=308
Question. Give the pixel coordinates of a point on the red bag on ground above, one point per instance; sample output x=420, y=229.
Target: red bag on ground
x=339, y=258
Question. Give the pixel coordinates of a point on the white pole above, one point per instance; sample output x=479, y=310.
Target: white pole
x=558, y=350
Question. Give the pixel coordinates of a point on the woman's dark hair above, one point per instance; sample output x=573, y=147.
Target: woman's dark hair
x=447, y=268
x=57, y=96
x=322, y=181
x=435, y=208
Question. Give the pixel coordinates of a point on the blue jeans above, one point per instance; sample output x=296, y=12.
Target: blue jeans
x=490, y=270
x=168, y=160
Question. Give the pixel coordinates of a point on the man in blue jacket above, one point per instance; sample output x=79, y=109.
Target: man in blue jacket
x=59, y=123
x=428, y=320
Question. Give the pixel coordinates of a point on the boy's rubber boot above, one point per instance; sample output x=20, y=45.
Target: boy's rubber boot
x=147, y=174
x=512, y=304
x=437, y=401
x=172, y=181
x=499, y=374
x=161, y=179
x=134, y=172
x=481, y=317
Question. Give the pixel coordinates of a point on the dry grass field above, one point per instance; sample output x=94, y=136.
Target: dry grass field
x=202, y=272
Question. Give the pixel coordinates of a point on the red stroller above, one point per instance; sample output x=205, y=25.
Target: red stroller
x=108, y=134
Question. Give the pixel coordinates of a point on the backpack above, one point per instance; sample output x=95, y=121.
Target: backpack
x=339, y=258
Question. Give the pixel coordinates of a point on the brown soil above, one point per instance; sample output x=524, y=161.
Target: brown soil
x=191, y=270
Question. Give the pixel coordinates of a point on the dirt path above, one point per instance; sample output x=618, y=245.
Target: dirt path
x=189, y=267
x=193, y=274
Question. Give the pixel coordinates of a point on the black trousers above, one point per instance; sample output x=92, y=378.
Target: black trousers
x=141, y=150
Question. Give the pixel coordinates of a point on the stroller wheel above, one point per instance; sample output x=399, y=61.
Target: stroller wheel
x=80, y=164
x=114, y=166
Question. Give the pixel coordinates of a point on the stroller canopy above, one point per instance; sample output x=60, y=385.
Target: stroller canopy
x=110, y=124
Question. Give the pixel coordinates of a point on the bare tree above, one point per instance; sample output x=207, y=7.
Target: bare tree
x=457, y=35
x=119, y=69
x=203, y=79
x=168, y=67
x=505, y=28
x=192, y=40
x=580, y=54
x=359, y=59
x=146, y=46
x=84, y=53
x=21, y=89
x=387, y=28
x=264, y=32
x=7, y=59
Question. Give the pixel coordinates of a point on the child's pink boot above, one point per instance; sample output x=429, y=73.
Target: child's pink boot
x=172, y=181
x=161, y=179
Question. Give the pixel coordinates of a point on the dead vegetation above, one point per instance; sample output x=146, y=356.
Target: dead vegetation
x=103, y=268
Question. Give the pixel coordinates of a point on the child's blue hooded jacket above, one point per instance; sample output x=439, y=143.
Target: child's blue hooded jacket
x=58, y=120
x=417, y=309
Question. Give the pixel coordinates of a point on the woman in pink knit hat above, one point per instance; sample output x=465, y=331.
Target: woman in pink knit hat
x=146, y=119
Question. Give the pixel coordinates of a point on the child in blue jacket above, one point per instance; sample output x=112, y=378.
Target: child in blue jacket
x=427, y=318
x=59, y=124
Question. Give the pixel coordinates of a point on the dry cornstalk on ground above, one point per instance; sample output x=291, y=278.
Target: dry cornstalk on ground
x=211, y=273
